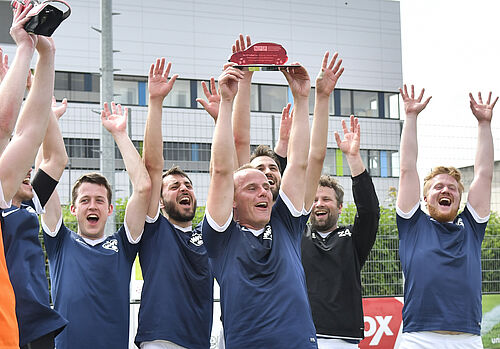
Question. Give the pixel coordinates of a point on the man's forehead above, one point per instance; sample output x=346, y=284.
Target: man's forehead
x=175, y=178
x=249, y=175
x=444, y=178
x=263, y=160
x=94, y=189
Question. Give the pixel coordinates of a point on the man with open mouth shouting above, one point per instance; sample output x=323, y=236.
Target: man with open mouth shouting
x=90, y=272
x=441, y=251
x=177, y=296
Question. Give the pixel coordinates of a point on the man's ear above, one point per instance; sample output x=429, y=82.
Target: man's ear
x=110, y=210
x=72, y=209
x=340, y=208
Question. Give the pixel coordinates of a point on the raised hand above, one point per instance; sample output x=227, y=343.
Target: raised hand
x=17, y=31
x=413, y=106
x=228, y=81
x=114, y=120
x=213, y=97
x=328, y=75
x=286, y=123
x=4, y=64
x=59, y=110
x=158, y=83
x=240, y=46
x=350, y=144
x=298, y=80
x=482, y=111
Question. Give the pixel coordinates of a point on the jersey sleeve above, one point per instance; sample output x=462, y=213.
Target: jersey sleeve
x=54, y=239
x=215, y=237
x=129, y=247
x=478, y=224
x=405, y=221
x=294, y=220
x=367, y=217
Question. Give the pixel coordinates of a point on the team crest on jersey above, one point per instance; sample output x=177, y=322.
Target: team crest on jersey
x=268, y=233
x=111, y=245
x=460, y=222
x=345, y=232
x=196, y=239
x=31, y=210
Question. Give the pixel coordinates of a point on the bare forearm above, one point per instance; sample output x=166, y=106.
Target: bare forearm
x=54, y=156
x=241, y=122
x=299, y=138
x=484, y=161
x=409, y=145
x=223, y=145
x=153, y=141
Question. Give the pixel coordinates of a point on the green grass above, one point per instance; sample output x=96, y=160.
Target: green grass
x=490, y=301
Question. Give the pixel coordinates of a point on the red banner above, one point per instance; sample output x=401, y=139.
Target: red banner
x=383, y=322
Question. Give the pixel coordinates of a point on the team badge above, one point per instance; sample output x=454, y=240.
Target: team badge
x=111, y=245
x=268, y=233
x=196, y=239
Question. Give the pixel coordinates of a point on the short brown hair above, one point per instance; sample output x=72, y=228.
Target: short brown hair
x=329, y=181
x=93, y=177
x=174, y=170
x=264, y=150
x=450, y=170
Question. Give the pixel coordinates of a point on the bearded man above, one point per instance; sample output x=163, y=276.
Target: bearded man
x=441, y=251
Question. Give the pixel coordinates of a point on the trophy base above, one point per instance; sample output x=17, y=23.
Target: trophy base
x=263, y=67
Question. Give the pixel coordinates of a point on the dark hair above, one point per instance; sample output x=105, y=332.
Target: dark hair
x=264, y=150
x=329, y=181
x=93, y=177
x=174, y=170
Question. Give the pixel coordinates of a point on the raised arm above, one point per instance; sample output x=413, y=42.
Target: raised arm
x=115, y=121
x=4, y=65
x=480, y=189
x=281, y=146
x=325, y=84
x=159, y=87
x=13, y=80
x=213, y=98
x=241, y=111
x=350, y=146
x=294, y=178
x=221, y=188
x=32, y=124
x=409, y=183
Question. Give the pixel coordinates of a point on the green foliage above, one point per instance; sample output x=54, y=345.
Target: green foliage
x=490, y=255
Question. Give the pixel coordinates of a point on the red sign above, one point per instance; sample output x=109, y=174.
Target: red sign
x=383, y=322
x=261, y=53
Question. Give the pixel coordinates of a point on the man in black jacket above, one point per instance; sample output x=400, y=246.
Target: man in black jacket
x=333, y=256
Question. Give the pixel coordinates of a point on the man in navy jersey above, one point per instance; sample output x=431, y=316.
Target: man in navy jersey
x=441, y=251
x=333, y=256
x=18, y=154
x=90, y=272
x=177, y=295
x=38, y=322
x=254, y=246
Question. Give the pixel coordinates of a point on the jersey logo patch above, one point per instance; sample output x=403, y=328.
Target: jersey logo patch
x=460, y=222
x=5, y=214
x=268, y=233
x=31, y=210
x=343, y=233
x=111, y=245
x=196, y=239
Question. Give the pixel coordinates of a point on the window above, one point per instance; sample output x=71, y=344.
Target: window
x=177, y=151
x=180, y=96
x=329, y=165
x=345, y=103
x=374, y=163
x=254, y=97
x=365, y=103
x=77, y=82
x=61, y=81
x=82, y=147
x=391, y=105
x=126, y=92
x=273, y=98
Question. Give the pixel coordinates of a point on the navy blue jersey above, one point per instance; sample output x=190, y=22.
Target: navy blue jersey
x=263, y=291
x=177, y=296
x=442, y=267
x=26, y=265
x=90, y=287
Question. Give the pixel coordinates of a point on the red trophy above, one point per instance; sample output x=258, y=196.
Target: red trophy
x=264, y=56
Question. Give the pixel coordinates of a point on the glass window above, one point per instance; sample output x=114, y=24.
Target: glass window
x=273, y=98
x=77, y=82
x=395, y=163
x=374, y=163
x=180, y=96
x=82, y=147
x=96, y=83
x=365, y=103
x=254, y=97
x=204, y=151
x=126, y=92
x=312, y=100
x=331, y=109
x=61, y=81
x=329, y=163
x=177, y=151
x=345, y=102
x=391, y=105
